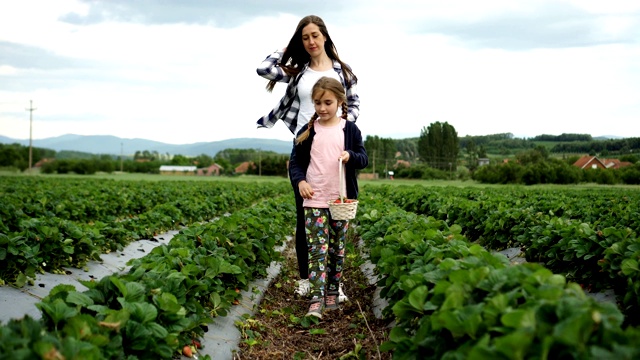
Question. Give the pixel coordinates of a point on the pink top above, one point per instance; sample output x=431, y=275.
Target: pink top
x=323, y=171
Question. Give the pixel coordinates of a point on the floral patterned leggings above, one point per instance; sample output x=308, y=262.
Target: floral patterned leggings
x=325, y=238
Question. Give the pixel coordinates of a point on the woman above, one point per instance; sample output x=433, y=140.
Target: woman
x=310, y=55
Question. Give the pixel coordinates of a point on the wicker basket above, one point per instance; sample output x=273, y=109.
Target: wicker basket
x=342, y=210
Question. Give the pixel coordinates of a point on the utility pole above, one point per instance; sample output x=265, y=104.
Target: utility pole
x=30, y=110
x=121, y=155
x=260, y=162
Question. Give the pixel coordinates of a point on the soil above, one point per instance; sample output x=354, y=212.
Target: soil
x=280, y=330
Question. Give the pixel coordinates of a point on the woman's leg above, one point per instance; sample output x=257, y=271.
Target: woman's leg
x=302, y=249
x=300, y=236
x=317, y=230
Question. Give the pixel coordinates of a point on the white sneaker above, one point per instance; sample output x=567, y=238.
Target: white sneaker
x=341, y=296
x=303, y=287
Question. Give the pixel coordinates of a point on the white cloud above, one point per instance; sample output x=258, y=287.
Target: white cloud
x=417, y=62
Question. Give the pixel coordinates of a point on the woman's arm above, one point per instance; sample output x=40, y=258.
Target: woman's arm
x=296, y=173
x=358, y=158
x=353, y=102
x=270, y=68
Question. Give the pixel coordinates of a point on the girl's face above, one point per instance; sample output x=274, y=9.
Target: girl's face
x=313, y=40
x=326, y=105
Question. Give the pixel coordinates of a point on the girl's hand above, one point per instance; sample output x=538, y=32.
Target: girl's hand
x=344, y=157
x=305, y=190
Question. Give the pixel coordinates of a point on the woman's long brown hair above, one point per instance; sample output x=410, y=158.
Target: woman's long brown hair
x=295, y=56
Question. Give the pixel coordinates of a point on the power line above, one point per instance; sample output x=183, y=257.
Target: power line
x=30, y=110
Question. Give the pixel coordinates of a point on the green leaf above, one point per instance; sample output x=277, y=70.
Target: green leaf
x=142, y=312
x=629, y=266
x=116, y=319
x=520, y=318
x=447, y=264
x=77, y=298
x=575, y=330
x=157, y=330
x=168, y=302
x=472, y=319
x=398, y=335
x=135, y=292
x=21, y=279
x=317, y=331
x=455, y=297
x=515, y=345
x=450, y=321
x=57, y=311
x=78, y=327
x=138, y=335
x=119, y=284
x=418, y=297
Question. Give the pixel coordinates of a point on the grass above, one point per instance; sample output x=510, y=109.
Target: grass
x=276, y=179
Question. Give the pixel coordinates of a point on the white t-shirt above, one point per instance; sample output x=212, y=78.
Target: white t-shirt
x=305, y=85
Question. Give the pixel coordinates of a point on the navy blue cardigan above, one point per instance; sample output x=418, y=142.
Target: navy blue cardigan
x=358, y=159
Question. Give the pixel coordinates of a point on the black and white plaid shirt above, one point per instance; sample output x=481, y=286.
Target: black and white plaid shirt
x=289, y=106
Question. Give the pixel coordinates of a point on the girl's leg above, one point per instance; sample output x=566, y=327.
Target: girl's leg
x=317, y=230
x=335, y=263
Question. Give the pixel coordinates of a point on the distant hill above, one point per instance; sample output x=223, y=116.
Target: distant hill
x=608, y=137
x=113, y=145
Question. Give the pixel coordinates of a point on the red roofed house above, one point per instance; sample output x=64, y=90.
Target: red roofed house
x=615, y=163
x=242, y=168
x=213, y=169
x=592, y=162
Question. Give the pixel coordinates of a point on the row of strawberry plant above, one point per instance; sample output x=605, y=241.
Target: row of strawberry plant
x=88, y=200
x=49, y=243
x=164, y=301
x=601, y=207
x=452, y=299
x=591, y=254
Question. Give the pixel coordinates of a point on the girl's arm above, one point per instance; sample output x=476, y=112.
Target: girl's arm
x=270, y=68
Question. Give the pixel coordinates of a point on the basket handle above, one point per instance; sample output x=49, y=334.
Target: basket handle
x=340, y=167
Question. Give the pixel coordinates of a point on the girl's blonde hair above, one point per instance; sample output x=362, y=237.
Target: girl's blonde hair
x=323, y=85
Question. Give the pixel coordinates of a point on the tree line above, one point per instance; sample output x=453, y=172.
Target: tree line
x=438, y=153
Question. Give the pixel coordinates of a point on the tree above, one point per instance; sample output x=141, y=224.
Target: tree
x=438, y=146
x=472, y=155
x=380, y=151
x=181, y=160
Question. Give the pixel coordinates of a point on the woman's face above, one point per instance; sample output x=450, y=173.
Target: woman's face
x=313, y=40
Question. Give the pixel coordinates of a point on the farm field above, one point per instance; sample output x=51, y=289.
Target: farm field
x=433, y=245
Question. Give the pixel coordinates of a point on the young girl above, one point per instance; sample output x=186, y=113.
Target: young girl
x=309, y=55
x=324, y=141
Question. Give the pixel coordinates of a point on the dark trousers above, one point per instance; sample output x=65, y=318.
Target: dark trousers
x=302, y=251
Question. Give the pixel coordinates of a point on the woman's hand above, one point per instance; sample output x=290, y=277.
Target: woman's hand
x=344, y=157
x=305, y=190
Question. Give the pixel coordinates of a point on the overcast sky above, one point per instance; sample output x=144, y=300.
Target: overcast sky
x=184, y=71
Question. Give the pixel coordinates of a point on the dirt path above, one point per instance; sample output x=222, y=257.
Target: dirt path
x=279, y=330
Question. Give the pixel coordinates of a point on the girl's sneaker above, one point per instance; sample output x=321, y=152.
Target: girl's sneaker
x=315, y=309
x=331, y=301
